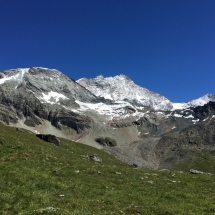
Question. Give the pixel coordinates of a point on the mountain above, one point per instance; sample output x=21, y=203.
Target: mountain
x=122, y=88
x=41, y=100
x=98, y=111
x=195, y=102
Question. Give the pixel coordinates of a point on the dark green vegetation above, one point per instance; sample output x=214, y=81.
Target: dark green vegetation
x=106, y=141
x=36, y=175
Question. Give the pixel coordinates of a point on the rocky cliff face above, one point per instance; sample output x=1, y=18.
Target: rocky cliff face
x=172, y=149
x=46, y=101
x=31, y=96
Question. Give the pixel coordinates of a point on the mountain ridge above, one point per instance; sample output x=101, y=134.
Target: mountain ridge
x=108, y=85
x=47, y=101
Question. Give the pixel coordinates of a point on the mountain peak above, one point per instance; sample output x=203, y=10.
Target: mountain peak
x=100, y=77
x=121, y=87
x=124, y=76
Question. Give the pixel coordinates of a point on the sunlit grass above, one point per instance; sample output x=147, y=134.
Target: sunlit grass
x=36, y=175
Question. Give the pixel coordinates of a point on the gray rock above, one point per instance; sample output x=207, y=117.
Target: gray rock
x=48, y=209
x=193, y=171
x=118, y=173
x=95, y=157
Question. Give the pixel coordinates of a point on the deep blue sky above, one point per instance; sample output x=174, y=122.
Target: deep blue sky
x=167, y=46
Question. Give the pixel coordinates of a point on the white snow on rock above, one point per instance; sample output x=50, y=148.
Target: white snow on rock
x=195, y=121
x=202, y=100
x=120, y=88
x=205, y=119
x=195, y=102
x=213, y=117
x=190, y=116
x=179, y=106
x=52, y=97
x=17, y=77
x=116, y=110
x=177, y=115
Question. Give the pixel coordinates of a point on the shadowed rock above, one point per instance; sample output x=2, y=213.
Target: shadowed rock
x=49, y=138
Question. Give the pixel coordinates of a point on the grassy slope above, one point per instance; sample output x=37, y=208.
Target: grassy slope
x=34, y=173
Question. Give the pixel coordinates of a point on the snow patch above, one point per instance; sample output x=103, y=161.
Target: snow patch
x=213, y=117
x=195, y=121
x=177, y=115
x=17, y=77
x=190, y=116
x=52, y=97
x=116, y=110
x=179, y=106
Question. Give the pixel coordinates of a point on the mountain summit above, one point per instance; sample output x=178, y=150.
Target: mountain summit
x=122, y=88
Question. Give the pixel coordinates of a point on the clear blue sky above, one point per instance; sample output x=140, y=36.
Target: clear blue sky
x=167, y=46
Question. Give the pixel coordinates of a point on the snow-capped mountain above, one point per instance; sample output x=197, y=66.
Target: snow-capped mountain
x=47, y=101
x=46, y=84
x=195, y=102
x=122, y=88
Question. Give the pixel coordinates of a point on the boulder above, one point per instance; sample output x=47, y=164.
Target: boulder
x=49, y=138
x=193, y=171
x=95, y=157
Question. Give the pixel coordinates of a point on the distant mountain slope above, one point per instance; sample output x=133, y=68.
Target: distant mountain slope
x=195, y=102
x=185, y=148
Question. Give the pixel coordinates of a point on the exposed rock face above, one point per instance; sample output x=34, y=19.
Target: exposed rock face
x=49, y=138
x=170, y=149
x=38, y=94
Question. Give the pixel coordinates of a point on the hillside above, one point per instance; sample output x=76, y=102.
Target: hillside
x=38, y=177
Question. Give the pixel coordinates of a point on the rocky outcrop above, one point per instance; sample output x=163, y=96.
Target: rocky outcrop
x=95, y=157
x=171, y=150
x=49, y=138
x=193, y=171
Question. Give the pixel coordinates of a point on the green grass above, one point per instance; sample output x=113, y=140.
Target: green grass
x=34, y=173
x=203, y=160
